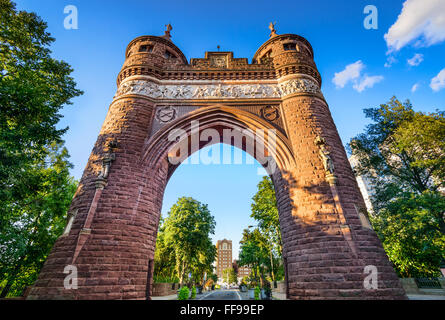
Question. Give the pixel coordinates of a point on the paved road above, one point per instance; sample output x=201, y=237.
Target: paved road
x=222, y=295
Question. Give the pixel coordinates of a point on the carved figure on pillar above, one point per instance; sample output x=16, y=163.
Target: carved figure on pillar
x=326, y=159
x=106, y=164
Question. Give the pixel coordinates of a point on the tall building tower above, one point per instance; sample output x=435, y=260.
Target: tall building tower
x=365, y=185
x=223, y=256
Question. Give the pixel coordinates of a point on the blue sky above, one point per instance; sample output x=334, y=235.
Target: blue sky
x=349, y=57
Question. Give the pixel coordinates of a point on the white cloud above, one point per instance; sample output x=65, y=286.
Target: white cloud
x=416, y=60
x=351, y=72
x=421, y=20
x=415, y=87
x=389, y=61
x=438, y=82
x=367, y=82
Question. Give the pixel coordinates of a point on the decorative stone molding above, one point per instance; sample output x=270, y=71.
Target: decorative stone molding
x=216, y=91
x=270, y=113
x=166, y=114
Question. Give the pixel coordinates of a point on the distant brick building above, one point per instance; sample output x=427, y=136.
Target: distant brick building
x=223, y=256
x=243, y=271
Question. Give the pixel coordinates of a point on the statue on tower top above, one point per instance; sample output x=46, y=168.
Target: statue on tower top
x=168, y=28
x=273, y=32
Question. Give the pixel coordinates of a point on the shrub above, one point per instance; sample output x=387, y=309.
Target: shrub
x=183, y=293
x=257, y=293
x=193, y=292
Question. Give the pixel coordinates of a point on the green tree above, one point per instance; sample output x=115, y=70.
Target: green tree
x=30, y=225
x=233, y=276
x=254, y=252
x=203, y=262
x=230, y=276
x=164, y=260
x=35, y=186
x=265, y=211
x=33, y=89
x=402, y=152
x=410, y=234
x=187, y=230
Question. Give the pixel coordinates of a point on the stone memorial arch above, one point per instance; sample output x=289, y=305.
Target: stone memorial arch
x=329, y=247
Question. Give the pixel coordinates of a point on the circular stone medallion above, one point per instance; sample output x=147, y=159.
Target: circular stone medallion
x=165, y=114
x=270, y=113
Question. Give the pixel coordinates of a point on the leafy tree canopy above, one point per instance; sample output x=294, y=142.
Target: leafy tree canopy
x=35, y=186
x=402, y=153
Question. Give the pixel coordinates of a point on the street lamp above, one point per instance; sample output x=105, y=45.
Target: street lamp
x=442, y=267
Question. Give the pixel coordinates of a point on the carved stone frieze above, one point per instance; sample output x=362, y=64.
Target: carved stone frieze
x=217, y=91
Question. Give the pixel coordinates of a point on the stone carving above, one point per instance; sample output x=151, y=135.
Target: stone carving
x=218, y=61
x=106, y=164
x=217, y=91
x=325, y=155
x=165, y=114
x=273, y=32
x=168, y=29
x=270, y=113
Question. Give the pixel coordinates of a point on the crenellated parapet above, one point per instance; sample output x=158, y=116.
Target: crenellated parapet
x=280, y=56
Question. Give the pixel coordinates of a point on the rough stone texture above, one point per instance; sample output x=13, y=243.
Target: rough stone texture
x=112, y=239
x=164, y=289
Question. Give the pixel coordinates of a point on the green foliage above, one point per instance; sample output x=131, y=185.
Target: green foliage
x=402, y=148
x=184, y=293
x=257, y=293
x=214, y=277
x=230, y=276
x=30, y=225
x=402, y=153
x=193, y=292
x=35, y=186
x=33, y=89
x=233, y=277
x=160, y=279
x=183, y=244
x=265, y=211
x=410, y=233
x=254, y=252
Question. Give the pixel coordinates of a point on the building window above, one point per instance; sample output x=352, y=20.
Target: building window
x=289, y=46
x=169, y=55
x=145, y=48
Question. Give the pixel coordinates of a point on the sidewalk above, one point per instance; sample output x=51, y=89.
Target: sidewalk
x=170, y=297
x=199, y=296
x=425, y=297
x=278, y=296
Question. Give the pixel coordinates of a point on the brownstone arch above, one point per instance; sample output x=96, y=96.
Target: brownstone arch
x=113, y=219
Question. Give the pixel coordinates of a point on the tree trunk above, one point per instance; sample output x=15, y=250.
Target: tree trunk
x=6, y=289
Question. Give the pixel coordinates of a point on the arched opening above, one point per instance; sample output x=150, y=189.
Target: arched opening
x=219, y=136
